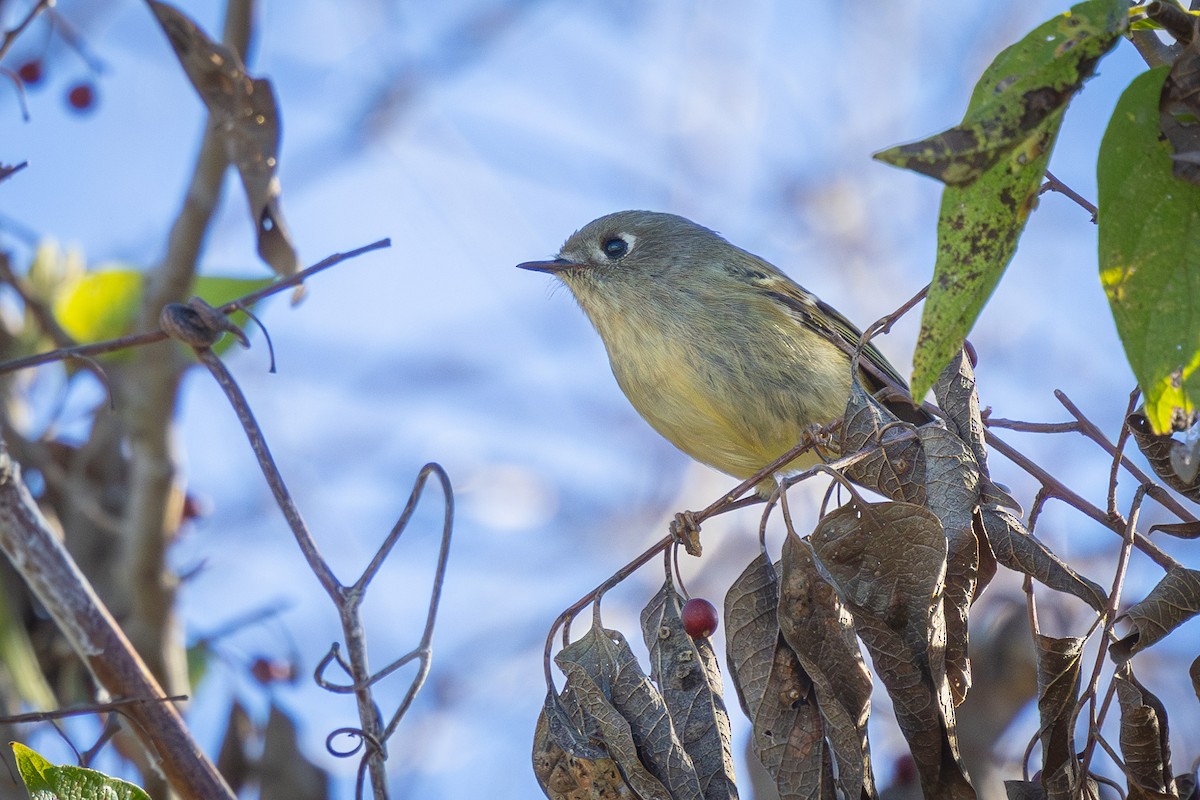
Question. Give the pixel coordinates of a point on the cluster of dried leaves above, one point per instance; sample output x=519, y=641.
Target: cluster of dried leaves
x=898, y=575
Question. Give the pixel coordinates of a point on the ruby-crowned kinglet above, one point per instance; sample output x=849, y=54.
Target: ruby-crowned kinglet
x=723, y=354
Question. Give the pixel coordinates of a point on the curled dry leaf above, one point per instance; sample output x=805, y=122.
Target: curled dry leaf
x=1181, y=530
x=888, y=562
x=689, y=680
x=956, y=396
x=1024, y=790
x=1145, y=741
x=898, y=470
x=245, y=116
x=1173, y=601
x=586, y=774
x=788, y=735
x=1165, y=454
x=629, y=714
x=820, y=631
x=952, y=482
x=1058, y=689
x=1019, y=550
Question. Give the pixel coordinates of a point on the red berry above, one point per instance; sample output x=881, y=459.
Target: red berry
x=906, y=771
x=699, y=618
x=266, y=671
x=31, y=72
x=194, y=507
x=971, y=355
x=82, y=96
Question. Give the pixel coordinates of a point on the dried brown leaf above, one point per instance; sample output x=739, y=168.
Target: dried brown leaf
x=246, y=117
x=888, y=562
x=1180, y=530
x=1024, y=790
x=898, y=470
x=956, y=396
x=1194, y=674
x=689, y=680
x=285, y=773
x=821, y=633
x=1173, y=601
x=629, y=713
x=1058, y=690
x=1167, y=457
x=952, y=487
x=567, y=776
x=1022, y=552
x=1145, y=741
x=788, y=733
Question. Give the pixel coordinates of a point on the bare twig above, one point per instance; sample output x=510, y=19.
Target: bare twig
x=372, y=734
x=10, y=36
x=1057, y=489
x=1110, y=617
x=84, y=710
x=1053, y=184
x=157, y=335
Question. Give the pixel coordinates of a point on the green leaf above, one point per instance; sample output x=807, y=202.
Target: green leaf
x=103, y=304
x=1023, y=88
x=993, y=163
x=33, y=768
x=1149, y=242
x=45, y=781
x=978, y=228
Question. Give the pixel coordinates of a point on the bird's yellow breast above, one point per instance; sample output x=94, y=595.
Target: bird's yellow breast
x=698, y=394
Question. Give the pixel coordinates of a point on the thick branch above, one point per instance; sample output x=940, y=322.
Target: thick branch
x=36, y=553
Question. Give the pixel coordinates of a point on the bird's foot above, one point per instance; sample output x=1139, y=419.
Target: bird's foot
x=686, y=531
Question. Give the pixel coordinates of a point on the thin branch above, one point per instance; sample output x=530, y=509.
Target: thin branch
x=1053, y=184
x=1156, y=492
x=157, y=335
x=266, y=463
x=1059, y=490
x=10, y=36
x=33, y=548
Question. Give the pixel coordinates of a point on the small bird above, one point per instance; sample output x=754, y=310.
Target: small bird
x=724, y=355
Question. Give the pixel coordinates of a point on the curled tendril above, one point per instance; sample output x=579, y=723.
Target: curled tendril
x=363, y=740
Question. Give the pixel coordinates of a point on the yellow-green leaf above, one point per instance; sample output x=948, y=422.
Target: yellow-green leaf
x=99, y=305
x=46, y=781
x=103, y=304
x=1020, y=91
x=1149, y=243
x=993, y=163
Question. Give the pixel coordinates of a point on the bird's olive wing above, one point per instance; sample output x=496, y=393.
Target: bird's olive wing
x=819, y=316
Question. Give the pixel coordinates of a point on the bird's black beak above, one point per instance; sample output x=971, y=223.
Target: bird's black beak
x=555, y=266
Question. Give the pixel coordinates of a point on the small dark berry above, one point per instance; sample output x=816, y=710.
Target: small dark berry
x=82, y=96
x=267, y=671
x=699, y=618
x=31, y=72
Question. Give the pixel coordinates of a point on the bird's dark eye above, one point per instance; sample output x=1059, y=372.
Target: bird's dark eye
x=615, y=248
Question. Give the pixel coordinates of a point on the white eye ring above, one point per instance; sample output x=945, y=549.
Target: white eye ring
x=614, y=248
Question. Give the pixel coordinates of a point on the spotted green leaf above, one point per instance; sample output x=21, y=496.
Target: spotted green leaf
x=992, y=164
x=1149, y=242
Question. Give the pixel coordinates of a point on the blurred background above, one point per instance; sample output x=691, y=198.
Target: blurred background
x=478, y=134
